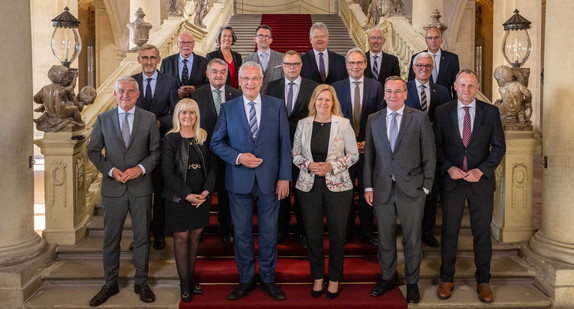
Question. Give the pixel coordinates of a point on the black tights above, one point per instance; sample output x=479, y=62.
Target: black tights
x=185, y=249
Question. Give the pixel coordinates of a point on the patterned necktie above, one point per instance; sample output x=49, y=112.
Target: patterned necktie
x=322, y=67
x=217, y=101
x=290, y=99
x=393, y=130
x=357, y=108
x=466, y=131
x=126, y=130
x=263, y=61
x=184, y=73
x=148, y=96
x=435, y=69
x=375, y=68
x=424, y=105
x=252, y=119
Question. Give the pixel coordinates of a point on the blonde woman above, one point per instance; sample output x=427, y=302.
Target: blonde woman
x=189, y=169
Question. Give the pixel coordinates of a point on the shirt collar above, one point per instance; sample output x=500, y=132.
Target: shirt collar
x=154, y=76
x=472, y=104
x=418, y=83
x=400, y=111
x=362, y=79
x=438, y=53
x=297, y=81
x=267, y=53
x=189, y=59
x=131, y=111
x=325, y=52
x=256, y=101
x=222, y=89
x=380, y=55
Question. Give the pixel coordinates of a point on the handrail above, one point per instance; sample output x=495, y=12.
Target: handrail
x=259, y=8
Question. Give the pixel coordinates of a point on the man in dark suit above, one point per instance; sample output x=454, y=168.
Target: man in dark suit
x=321, y=65
x=424, y=95
x=296, y=92
x=159, y=96
x=359, y=97
x=269, y=59
x=446, y=64
x=380, y=65
x=210, y=98
x=470, y=145
x=130, y=137
x=252, y=136
x=186, y=67
x=398, y=173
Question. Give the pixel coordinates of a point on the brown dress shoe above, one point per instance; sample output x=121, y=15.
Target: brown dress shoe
x=445, y=290
x=484, y=293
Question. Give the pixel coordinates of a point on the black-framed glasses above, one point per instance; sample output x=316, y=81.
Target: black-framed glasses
x=397, y=92
x=425, y=66
x=263, y=36
x=292, y=64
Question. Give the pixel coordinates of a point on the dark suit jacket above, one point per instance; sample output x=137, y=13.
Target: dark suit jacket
x=448, y=69
x=373, y=101
x=197, y=78
x=389, y=67
x=485, y=149
x=439, y=95
x=163, y=102
x=310, y=69
x=143, y=149
x=236, y=60
x=300, y=107
x=232, y=137
x=207, y=111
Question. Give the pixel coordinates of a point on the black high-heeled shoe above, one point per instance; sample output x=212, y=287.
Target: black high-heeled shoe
x=186, y=297
x=333, y=295
x=196, y=288
x=316, y=294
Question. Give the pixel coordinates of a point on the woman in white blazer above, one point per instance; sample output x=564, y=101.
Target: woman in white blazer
x=324, y=148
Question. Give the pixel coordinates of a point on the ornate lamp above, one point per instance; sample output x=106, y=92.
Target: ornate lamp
x=516, y=45
x=66, y=40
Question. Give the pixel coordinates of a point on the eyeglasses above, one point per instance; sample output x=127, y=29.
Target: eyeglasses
x=432, y=37
x=146, y=58
x=186, y=43
x=355, y=63
x=130, y=91
x=248, y=79
x=263, y=36
x=292, y=64
x=424, y=66
x=397, y=92
x=378, y=38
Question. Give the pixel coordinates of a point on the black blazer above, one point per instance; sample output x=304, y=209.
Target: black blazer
x=439, y=95
x=197, y=78
x=300, y=107
x=389, y=67
x=373, y=101
x=207, y=112
x=163, y=102
x=236, y=60
x=310, y=69
x=485, y=149
x=448, y=69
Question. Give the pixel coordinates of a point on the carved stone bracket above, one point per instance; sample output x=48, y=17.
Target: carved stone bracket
x=139, y=29
x=436, y=23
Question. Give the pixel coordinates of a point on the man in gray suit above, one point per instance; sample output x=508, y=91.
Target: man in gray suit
x=130, y=137
x=398, y=174
x=269, y=59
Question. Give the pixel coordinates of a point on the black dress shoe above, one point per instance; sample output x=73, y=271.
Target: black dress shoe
x=273, y=290
x=227, y=240
x=302, y=240
x=186, y=297
x=146, y=294
x=332, y=295
x=281, y=237
x=371, y=239
x=158, y=242
x=241, y=290
x=317, y=294
x=431, y=241
x=382, y=287
x=413, y=295
x=105, y=292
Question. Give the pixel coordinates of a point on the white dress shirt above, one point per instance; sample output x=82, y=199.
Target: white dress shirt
x=460, y=115
x=152, y=83
x=379, y=61
x=131, y=115
x=361, y=91
x=296, y=88
x=436, y=58
x=427, y=91
x=221, y=93
x=325, y=60
x=257, y=107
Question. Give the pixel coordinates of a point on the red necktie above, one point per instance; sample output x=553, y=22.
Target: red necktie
x=466, y=131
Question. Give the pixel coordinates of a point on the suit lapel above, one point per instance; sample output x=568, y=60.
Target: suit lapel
x=453, y=115
x=116, y=123
x=382, y=127
x=333, y=133
x=262, y=122
x=407, y=117
x=244, y=120
x=479, y=113
x=137, y=120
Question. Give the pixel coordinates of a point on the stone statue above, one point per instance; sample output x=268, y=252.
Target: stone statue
x=174, y=8
x=374, y=13
x=436, y=23
x=202, y=7
x=397, y=7
x=516, y=103
x=139, y=29
x=59, y=104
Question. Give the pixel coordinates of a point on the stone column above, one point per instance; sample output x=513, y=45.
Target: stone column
x=22, y=251
x=151, y=9
x=422, y=10
x=553, y=246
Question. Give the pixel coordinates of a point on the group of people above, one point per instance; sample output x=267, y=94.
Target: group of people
x=320, y=125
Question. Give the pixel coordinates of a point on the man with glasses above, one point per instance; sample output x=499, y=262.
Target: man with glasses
x=296, y=92
x=252, y=136
x=398, y=174
x=446, y=64
x=426, y=96
x=186, y=67
x=269, y=59
x=380, y=65
x=321, y=65
x=359, y=98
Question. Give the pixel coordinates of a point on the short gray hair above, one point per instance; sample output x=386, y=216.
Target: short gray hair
x=251, y=64
x=356, y=50
x=216, y=60
x=146, y=47
x=318, y=26
x=126, y=79
x=423, y=55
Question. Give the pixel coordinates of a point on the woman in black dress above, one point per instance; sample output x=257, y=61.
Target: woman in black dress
x=225, y=38
x=189, y=169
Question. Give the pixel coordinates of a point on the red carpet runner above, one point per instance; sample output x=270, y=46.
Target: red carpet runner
x=290, y=31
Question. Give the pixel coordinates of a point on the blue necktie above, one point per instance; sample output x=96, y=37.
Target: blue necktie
x=252, y=119
x=184, y=73
x=290, y=99
x=424, y=105
x=322, y=67
x=148, y=96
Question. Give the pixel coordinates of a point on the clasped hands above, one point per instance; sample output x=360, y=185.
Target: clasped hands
x=471, y=176
x=129, y=174
x=197, y=199
x=251, y=161
x=320, y=168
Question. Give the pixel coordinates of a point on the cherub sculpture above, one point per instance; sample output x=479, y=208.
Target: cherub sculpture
x=516, y=103
x=373, y=12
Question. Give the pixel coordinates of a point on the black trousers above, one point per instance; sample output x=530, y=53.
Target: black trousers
x=336, y=207
x=285, y=208
x=480, y=207
x=223, y=212
x=429, y=217
x=158, y=219
x=366, y=213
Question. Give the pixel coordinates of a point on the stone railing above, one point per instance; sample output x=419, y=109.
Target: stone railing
x=72, y=183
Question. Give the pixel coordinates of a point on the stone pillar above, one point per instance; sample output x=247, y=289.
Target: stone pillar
x=22, y=251
x=422, y=10
x=151, y=9
x=553, y=246
x=512, y=218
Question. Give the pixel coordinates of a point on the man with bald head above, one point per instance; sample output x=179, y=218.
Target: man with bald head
x=186, y=67
x=380, y=65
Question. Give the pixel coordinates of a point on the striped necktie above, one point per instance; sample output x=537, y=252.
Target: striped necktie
x=252, y=119
x=466, y=131
x=424, y=101
x=217, y=100
x=375, y=67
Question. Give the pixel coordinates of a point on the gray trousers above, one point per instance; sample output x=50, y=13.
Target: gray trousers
x=410, y=212
x=115, y=213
